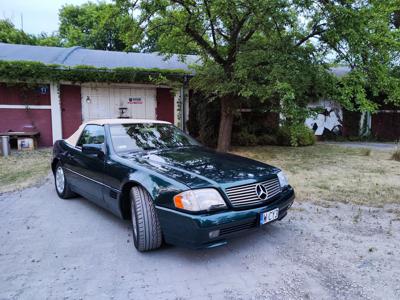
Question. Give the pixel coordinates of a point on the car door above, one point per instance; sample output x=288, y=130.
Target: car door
x=87, y=170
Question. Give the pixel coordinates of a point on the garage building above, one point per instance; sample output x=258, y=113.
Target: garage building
x=55, y=109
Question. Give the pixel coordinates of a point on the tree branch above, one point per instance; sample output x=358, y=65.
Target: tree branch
x=211, y=23
x=204, y=44
x=234, y=37
x=317, y=30
x=197, y=37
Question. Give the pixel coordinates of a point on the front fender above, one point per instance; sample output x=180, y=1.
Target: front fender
x=161, y=188
x=122, y=176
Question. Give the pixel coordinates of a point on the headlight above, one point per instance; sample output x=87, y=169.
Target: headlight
x=198, y=200
x=283, y=179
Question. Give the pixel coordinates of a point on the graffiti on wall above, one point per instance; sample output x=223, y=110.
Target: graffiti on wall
x=329, y=121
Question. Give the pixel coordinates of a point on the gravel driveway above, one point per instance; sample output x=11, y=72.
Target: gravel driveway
x=54, y=249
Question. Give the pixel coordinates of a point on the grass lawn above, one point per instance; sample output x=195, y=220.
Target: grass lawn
x=335, y=173
x=23, y=168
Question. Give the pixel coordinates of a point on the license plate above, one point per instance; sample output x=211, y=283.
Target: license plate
x=269, y=216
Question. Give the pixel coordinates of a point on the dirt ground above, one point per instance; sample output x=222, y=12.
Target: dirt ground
x=70, y=249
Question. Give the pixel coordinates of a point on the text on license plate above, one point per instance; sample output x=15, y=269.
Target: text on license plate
x=269, y=216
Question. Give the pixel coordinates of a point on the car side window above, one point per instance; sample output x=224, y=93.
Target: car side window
x=91, y=134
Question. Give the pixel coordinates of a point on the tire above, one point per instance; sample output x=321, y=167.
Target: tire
x=62, y=186
x=145, y=225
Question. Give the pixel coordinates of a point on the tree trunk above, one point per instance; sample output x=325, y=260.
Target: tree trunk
x=225, y=124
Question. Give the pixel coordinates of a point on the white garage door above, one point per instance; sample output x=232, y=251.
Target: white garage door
x=101, y=102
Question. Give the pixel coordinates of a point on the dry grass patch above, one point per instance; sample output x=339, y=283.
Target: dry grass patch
x=22, y=169
x=396, y=155
x=334, y=173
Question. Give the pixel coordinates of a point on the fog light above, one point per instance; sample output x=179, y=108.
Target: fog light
x=213, y=234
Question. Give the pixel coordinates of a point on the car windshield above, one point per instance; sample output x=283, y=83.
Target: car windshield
x=149, y=136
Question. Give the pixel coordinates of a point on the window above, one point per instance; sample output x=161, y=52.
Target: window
x=92, y=134
x=139, y=137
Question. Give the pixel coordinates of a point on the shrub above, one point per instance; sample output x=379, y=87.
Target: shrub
x=244, y=138
x=267, y=139
x=204, y=119
x=299, y=135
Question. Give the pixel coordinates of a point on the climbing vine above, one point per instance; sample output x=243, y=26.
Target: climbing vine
x=36, y=72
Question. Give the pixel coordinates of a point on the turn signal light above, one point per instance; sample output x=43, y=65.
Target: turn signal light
x=178, y=201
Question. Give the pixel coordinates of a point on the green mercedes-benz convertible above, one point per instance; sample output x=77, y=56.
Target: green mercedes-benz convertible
x=173, y=189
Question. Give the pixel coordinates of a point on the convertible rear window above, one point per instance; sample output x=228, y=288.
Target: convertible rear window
x=139, y=137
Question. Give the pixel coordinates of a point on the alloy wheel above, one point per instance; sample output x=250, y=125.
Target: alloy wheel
x=60, y=180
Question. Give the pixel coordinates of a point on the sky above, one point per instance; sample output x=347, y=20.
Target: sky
x=37, y=15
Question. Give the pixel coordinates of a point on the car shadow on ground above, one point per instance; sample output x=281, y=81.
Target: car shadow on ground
x=242, y=243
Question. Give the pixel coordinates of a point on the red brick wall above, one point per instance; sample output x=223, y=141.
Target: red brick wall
x=165, y=105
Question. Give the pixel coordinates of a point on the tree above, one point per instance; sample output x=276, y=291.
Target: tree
x=103, y=26
x=10, y=34
x=53, y=40
x=274, y=49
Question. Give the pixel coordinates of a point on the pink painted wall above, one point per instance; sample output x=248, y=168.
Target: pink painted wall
x=28, y=120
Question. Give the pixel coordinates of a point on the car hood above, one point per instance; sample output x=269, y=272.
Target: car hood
x=199, y=167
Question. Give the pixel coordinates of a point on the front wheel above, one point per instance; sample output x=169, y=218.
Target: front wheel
x=62, y=187
x=146, y=227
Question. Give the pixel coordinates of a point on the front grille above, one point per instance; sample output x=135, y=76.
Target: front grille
x=236, y=228
x=245, y=195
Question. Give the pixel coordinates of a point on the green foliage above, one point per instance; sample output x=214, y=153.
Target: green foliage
x=103, y=26
x=244, y=138
x=299, y=135
x=203, y=119
x=281, y=51
x=38, y=72
x=267, y=139
x=52, y=40
x=10, y=34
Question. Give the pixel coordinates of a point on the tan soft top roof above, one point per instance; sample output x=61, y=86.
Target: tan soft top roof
x=73, y=139
x=124, y=121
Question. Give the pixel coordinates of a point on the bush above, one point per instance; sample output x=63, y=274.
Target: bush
x=295, y=136
x=204, y=119
x=283, y=136
x=244, y=138
x=267, y=139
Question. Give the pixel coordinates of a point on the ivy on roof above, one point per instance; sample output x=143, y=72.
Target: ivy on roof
x=37, y=72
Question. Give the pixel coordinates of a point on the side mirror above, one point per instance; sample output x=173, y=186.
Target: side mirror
x=96, y=149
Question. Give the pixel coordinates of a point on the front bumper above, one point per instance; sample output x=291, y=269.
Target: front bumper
x=192, y=231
